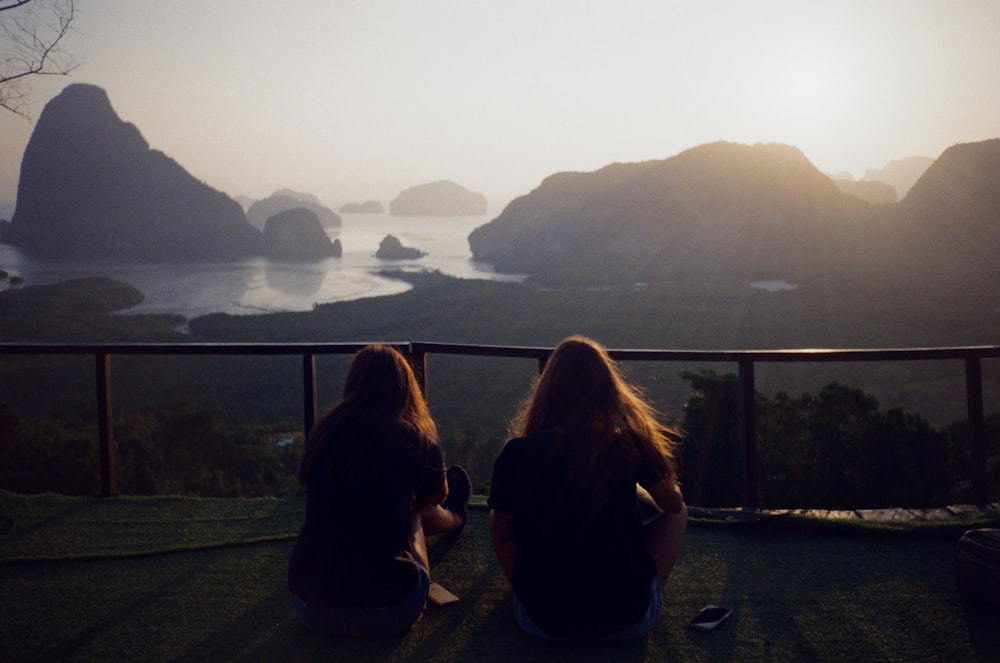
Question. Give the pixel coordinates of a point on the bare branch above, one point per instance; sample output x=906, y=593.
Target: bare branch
x=12, y=4
x=31, y=45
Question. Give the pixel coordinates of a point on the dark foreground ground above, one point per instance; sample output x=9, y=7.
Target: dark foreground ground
x=170, y=579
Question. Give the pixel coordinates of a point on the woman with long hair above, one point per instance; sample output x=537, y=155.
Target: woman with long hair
x=566, y=516
x=376, y=485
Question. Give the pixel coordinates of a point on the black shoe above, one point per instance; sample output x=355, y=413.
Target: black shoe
x=459, y=491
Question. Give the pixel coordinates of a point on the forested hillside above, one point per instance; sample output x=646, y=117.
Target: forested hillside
x=733, y=213
x=245, y=403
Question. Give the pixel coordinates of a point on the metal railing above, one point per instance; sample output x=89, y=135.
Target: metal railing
x=417, y=352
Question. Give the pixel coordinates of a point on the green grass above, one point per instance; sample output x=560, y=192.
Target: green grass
x=164, y=579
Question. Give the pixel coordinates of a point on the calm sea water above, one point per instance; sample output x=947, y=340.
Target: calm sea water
x=261, y=285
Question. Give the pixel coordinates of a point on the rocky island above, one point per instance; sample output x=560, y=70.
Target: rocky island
x=390, y=248
x=91, y=186
x=442, y=198
x=297, y=233
x=367, y=207
x=285, y=199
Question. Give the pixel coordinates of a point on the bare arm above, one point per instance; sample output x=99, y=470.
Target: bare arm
x=438, y=498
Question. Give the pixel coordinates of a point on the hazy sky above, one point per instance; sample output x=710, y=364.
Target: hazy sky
x=356, y=99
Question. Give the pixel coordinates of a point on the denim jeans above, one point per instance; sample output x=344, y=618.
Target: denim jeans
x=367, y=622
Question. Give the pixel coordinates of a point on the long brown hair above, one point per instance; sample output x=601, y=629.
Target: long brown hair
x=582, y=395
x=381, y=394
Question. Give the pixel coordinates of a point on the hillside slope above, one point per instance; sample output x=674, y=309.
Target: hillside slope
x=91, y=185
x=743, y=212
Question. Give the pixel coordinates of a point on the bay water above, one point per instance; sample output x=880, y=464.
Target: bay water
x=263, y=285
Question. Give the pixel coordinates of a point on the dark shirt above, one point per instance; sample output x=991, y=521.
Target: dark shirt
x=354, y=546
x=579, y=570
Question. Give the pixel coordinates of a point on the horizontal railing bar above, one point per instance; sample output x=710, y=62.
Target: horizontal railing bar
x=804, y=355
x=186, y=348
x=512, y=351
x=792, y=355
x=809, y=354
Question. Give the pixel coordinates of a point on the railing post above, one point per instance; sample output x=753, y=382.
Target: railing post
x=977, y=428
x=309, y=392
x=751, y=473
x=105, y=425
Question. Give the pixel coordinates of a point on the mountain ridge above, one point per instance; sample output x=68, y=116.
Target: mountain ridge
x=736, y=211
x=91, y=185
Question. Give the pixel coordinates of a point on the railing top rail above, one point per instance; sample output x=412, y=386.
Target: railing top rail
x=186, y=348
x=530, y=352
x=813, y=354
x=635, y=354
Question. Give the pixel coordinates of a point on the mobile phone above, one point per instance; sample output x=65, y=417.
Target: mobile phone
x=710, y=617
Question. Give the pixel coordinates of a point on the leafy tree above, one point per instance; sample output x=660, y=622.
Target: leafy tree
x=910, y=465
x=961, y=459
x=839, y=451
x=836, y=450
x=31, y=40
x=840, y=422
x=711, y=455
x=178, y=449
x=166, y=450
x=56, y=454
x=784, y=426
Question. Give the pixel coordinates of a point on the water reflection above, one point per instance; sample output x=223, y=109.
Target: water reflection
x=259, y=285
x=293, y=281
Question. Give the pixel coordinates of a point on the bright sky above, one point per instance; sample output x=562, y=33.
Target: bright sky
x=357, y=99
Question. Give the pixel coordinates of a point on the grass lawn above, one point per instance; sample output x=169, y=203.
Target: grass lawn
x=170, y=579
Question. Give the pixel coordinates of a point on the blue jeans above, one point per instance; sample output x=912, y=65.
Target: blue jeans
x=367, y=622
x=633, y=632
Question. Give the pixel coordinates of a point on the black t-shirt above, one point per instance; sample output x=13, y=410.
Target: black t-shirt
x=354, y=547
x=578, y=571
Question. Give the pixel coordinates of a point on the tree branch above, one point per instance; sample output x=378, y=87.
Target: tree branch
x=31, y=45
x=13, y=5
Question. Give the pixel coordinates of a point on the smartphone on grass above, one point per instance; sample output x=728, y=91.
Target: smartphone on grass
x=710, y=617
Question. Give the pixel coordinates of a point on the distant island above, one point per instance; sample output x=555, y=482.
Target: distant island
x=286, y=199
x=390, y=248
x=297, y=233
x=91, y=186
x=367, y=207
x=442, y=198
x=901, y=174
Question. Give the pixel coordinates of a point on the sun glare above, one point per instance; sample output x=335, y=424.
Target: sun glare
x=807, y=86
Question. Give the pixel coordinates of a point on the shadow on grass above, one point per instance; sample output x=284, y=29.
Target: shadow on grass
x=480, y=627
x=982, y=619
x=817, y=593
x=826, y=597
